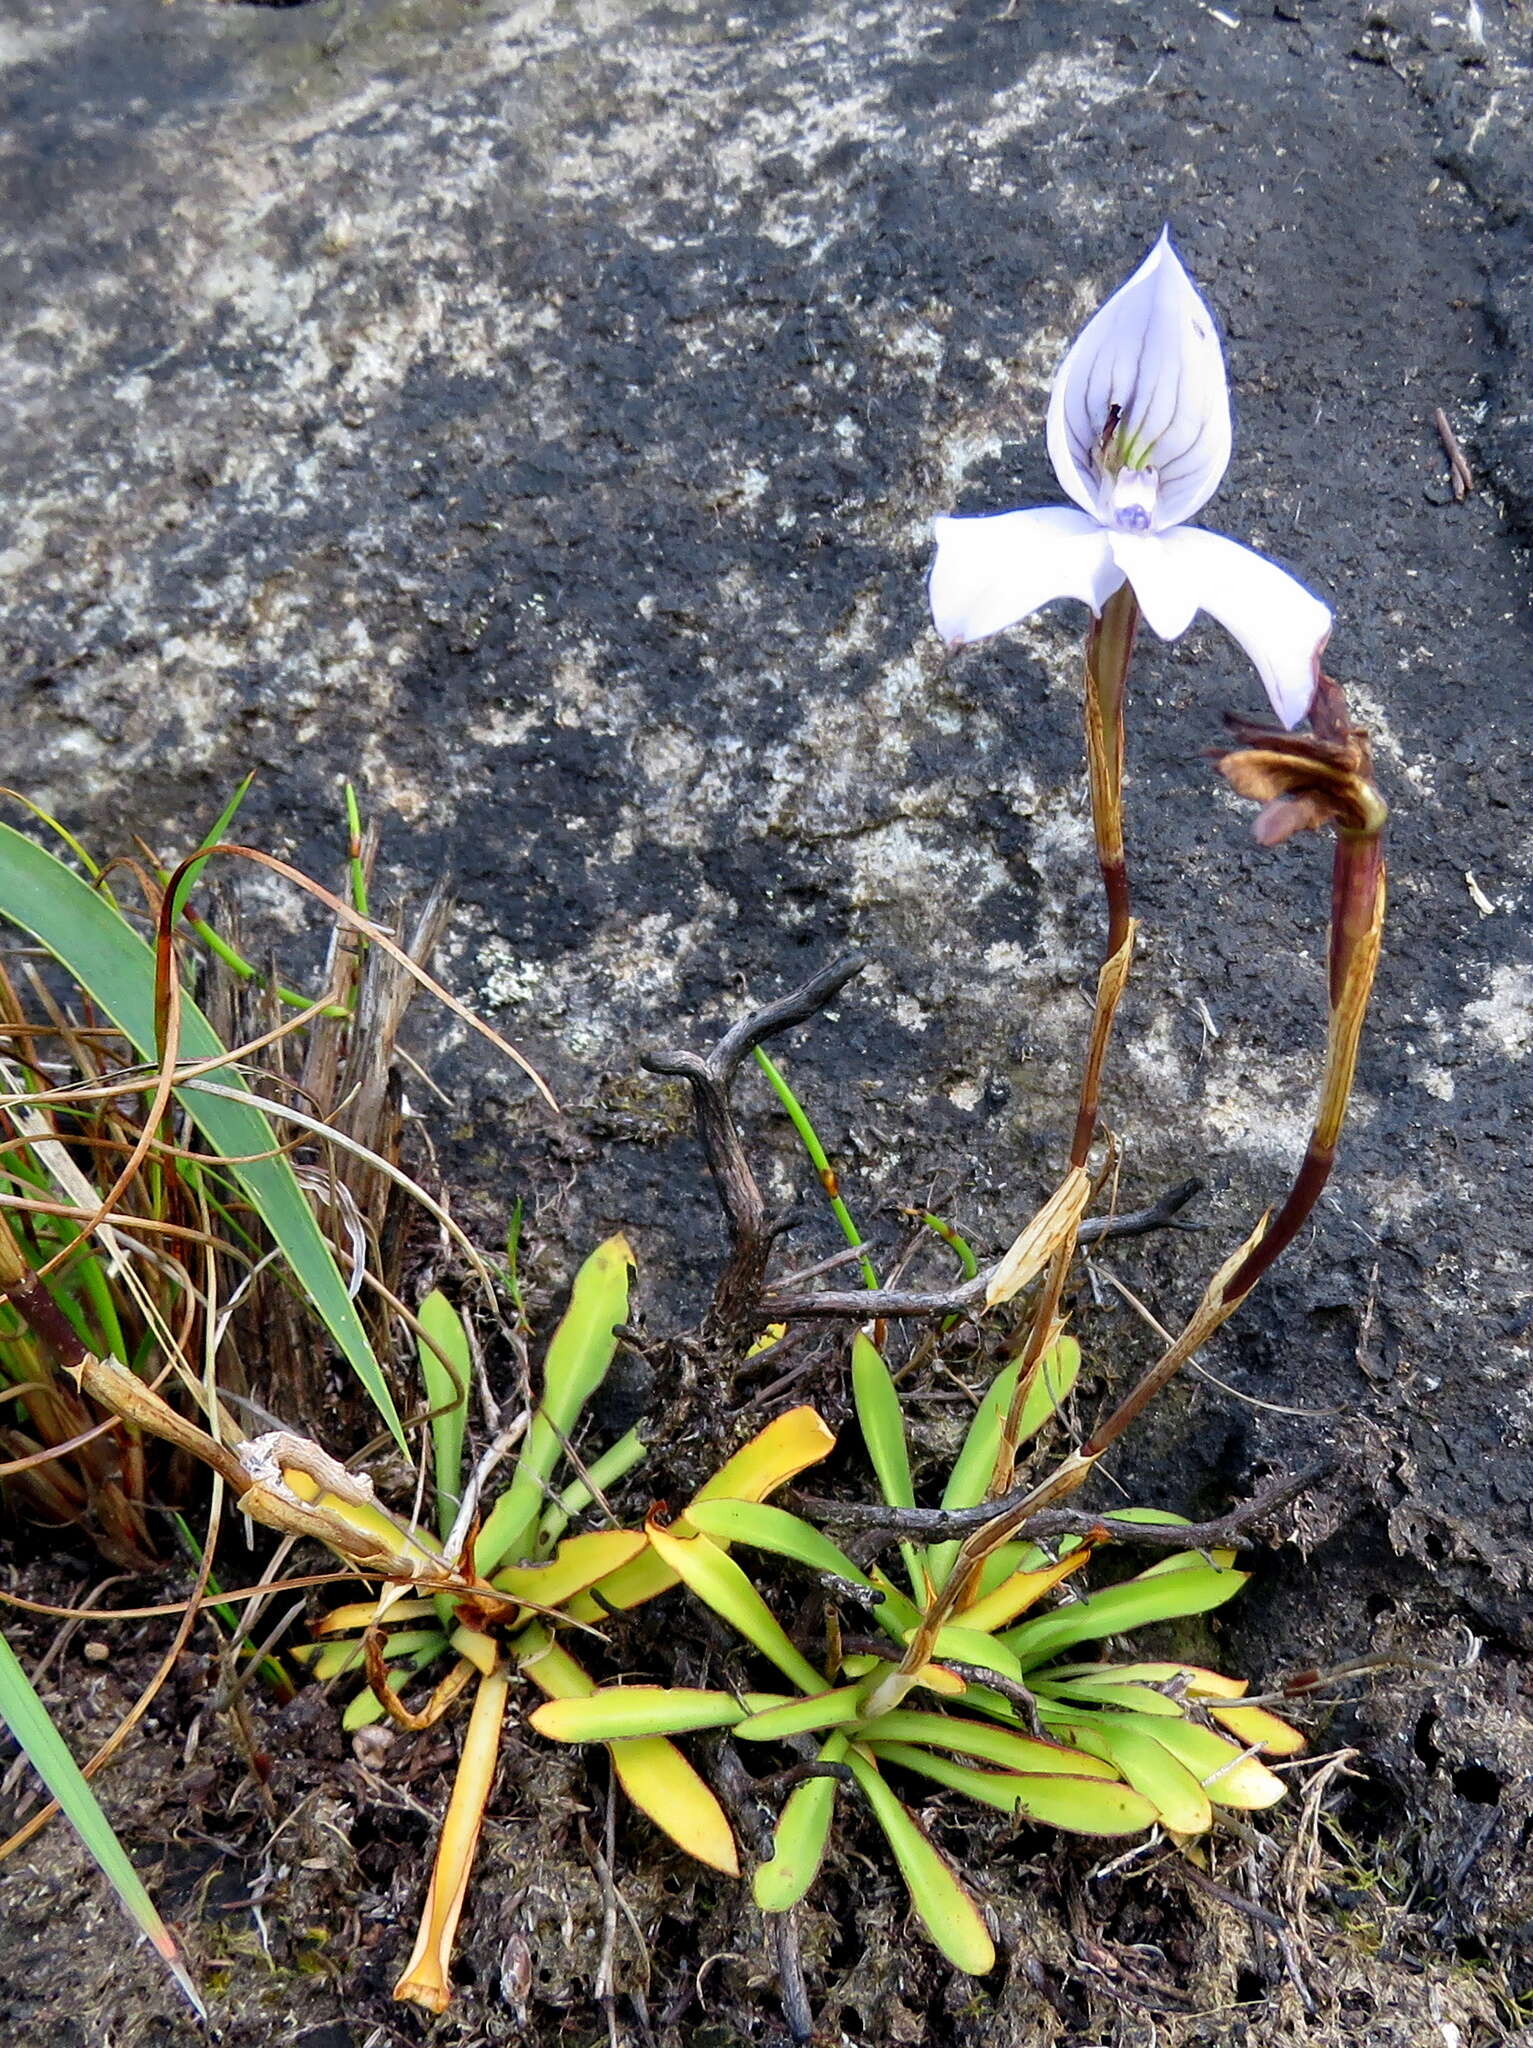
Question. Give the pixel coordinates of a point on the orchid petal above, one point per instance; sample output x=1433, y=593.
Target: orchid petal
x=1148, y=367
x=1280, y=624
x=992, y=572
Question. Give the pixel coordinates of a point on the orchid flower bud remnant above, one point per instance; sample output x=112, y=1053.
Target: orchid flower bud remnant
x=1139, y=436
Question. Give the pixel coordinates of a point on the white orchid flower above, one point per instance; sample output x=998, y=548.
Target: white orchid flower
x=1139, y=436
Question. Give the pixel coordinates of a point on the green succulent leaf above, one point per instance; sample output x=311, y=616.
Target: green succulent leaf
x=970, y=1646
x=333, y=1660
x=1058, y=1370
x=838, y=1709
x=720, y=1584
x=1179, y=1800
x=762, y=1527
x=615, y=1711
x=1228, y=1774
x=447, y=1388
x=979, y=1739
x=1104, y=1692
x=799, y=1839
x=1081, y=1806
x=882, y=1422
x=1118, y=1609
x=579, y=1354
x=942, y=1905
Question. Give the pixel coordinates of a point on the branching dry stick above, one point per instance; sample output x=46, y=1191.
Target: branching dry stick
x=1231, y=1531
x=742, y=1294
x=782, y=1303
x=737, y=1297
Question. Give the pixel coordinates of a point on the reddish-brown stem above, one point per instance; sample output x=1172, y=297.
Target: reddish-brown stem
x=1358, y=883
x=1109, y=650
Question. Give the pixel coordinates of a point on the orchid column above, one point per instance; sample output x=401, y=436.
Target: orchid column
x=1139, y=436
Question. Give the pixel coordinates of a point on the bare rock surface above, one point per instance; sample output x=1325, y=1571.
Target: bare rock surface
x=535, y=411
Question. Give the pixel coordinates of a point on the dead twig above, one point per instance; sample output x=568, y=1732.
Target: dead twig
x=1460, y=475
x=780, y=1304
x=742, y=1298
x=737, y=1296
x=1227, y=1532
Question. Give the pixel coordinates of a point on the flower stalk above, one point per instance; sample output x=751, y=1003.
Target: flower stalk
x=1306, y=783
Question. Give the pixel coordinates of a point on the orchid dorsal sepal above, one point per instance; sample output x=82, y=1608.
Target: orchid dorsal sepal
x=1139, y=436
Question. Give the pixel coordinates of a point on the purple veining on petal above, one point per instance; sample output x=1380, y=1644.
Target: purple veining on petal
x=1143, y=387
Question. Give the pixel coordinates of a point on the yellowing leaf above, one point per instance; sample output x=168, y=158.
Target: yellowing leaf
x=1255, y=1728
x=773, y=1456
x=1014, y=1752
x=578, y=1562
x=1015, y=1595
x=938, y=1679
x=787, y=1446
x=1105, y=1692
x=479, y=1649
x=653, y=1772
x=660, y=1782
x=426, y=1980
x=360, y=1614
x=1201, y=1683
x=1173, y=1790
x=1229, y=1777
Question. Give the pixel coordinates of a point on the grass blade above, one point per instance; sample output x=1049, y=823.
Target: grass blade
x=28, y=1720
x=90, y=938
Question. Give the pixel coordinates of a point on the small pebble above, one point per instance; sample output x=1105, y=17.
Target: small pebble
x=371, y=1745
